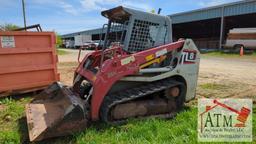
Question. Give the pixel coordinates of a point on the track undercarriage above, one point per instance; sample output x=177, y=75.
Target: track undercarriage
x=157, y=99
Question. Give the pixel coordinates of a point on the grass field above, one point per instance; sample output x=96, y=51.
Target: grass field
x=213, y=86
x=181, y=129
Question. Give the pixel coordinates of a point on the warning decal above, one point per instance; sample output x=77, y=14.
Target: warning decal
x=7, y=42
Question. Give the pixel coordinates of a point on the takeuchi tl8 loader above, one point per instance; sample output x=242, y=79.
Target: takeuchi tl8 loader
x=138, y=72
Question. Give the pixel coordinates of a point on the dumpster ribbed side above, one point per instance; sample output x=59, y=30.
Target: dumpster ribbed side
x=28, y=61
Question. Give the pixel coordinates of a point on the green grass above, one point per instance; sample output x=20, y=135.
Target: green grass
x=10, y=120
x=61, y=52
x=213, y=86
x=181, y=129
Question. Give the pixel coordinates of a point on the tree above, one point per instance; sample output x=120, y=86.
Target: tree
x=58, y=40
x=8, y=27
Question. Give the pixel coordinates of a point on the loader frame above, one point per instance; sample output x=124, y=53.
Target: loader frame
x=120, y=66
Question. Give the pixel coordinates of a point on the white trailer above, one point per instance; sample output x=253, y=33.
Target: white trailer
x=70, y=43
x=241, y=37
x=80, y=40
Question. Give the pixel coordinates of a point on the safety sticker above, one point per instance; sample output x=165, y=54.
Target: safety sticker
x=127, y=60
x=161, y=52
x=7, y=42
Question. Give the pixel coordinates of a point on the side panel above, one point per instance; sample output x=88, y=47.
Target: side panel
x=188, y=68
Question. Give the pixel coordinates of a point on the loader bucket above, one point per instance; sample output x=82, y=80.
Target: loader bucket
x=56, y=111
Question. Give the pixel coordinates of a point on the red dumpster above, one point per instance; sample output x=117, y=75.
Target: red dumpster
x=28, y=61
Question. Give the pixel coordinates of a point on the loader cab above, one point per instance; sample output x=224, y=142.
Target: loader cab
x=135, y=30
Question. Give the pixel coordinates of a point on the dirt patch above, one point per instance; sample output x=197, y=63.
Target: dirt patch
x=72, y=55
x=66, y=70
x=68, y=63
x=227, y=77
x=221, y=69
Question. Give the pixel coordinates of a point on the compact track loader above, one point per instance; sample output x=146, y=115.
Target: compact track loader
x=138, y=72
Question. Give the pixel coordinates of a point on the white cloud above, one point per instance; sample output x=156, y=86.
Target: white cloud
x=91, y=5
x=63, y=26
x=138, y=5
x=68, y=8
x=208, y=3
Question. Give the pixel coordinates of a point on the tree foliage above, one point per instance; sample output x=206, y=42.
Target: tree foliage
x=58, y=40
x=8, y=27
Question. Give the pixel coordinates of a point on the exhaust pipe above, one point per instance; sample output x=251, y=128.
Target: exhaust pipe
x=56, y=111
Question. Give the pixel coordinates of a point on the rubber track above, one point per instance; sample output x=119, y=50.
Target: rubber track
x=131, y=94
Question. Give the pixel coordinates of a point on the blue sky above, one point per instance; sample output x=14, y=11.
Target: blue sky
x=66, y=16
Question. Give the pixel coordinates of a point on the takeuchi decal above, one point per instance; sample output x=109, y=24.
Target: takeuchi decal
x=188, y=57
